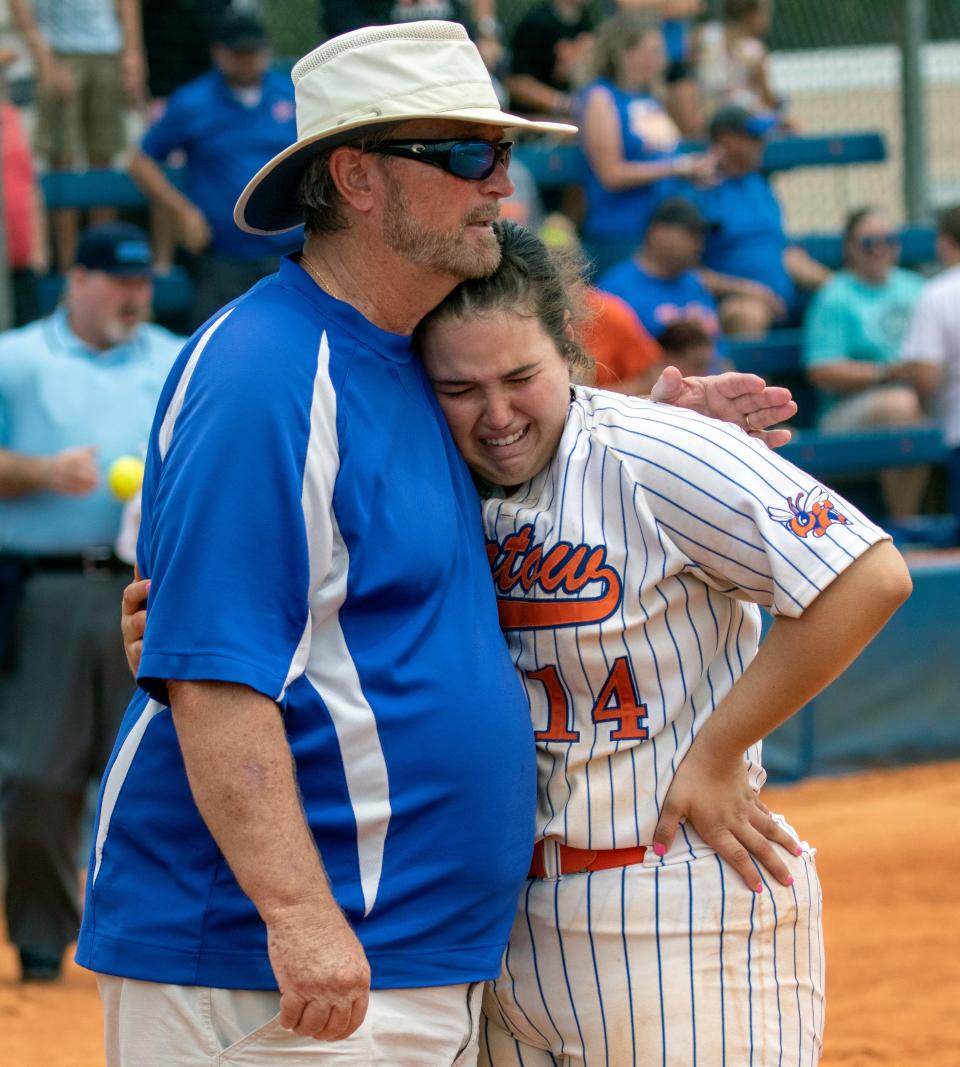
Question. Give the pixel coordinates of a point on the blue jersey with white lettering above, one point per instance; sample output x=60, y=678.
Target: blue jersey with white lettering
x=660, y=301
x=311, y=532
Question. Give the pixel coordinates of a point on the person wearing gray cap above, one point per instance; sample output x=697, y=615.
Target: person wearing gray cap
x=313, y=544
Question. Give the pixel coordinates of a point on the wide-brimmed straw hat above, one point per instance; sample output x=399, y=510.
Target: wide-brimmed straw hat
x=366, y=78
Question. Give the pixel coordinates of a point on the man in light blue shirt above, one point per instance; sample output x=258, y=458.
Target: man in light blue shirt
x=77, y=390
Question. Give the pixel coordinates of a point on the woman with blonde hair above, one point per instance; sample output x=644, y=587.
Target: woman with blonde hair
x=630, y=142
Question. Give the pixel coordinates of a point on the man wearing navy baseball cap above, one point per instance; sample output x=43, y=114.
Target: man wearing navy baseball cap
x=110, y=288
x=77, y=391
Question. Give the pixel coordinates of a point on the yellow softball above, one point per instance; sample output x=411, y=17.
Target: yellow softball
x=125, y=476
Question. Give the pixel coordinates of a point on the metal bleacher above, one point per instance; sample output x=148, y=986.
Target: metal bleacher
x=917, y=247
x=554, y=164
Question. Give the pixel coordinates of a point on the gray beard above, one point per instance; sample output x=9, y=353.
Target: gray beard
x=442, y=253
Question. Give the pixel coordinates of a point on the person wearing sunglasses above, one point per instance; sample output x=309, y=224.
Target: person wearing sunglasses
x=319, y=811
x=852, y=335
x=473, y=160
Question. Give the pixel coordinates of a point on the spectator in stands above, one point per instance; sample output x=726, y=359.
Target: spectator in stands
x=748, y=261
x=548, y=44
x=626, y=358
x=682, y=89
x=629, y=140
x=688, y=347
x=931, y=348
x=77, y=390
x=89, y=61
x=477, y=17
x=660, y=282
x=228, y=122
x=177, y=35
x=853, y=333
x=731, y=60
x=23, y=212
x=177, y=38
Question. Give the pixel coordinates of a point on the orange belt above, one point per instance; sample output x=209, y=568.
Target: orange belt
x=574, y=860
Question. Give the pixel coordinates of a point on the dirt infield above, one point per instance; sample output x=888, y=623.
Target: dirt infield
x=889, y=859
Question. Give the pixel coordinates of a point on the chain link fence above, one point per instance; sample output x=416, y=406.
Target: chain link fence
x=839, y=63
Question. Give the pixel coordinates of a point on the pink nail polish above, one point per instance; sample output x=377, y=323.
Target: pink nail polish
x=798, y=851
x=790, y=880
x=660, y=849
x=759, y=888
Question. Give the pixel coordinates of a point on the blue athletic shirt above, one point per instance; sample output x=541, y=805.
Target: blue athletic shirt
x=226, y=143
x=648, y=135
x=311, y=532
x=747, y=238
x=660, y=301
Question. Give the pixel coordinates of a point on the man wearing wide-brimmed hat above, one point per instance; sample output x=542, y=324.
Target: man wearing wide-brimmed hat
x=313, y=544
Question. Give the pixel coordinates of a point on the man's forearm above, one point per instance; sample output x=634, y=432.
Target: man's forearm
x=533, y=95
x=22, y=475
x=149, y=176
x=722, y=284
x=850, y=375
x=241, y=773
x=22, y=13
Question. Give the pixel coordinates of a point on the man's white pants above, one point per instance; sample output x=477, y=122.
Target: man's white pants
x=194, y=1026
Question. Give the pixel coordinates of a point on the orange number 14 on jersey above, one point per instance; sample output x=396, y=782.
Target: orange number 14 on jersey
x=618, y=702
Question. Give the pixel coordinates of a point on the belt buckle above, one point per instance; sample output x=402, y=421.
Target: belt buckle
x=95, y=563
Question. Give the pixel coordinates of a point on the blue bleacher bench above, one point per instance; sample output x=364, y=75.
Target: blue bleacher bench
x=865, y=451
x=776, y=354
x=555, y=164
x=552, y=165
x=918, y=247
x=97, y=188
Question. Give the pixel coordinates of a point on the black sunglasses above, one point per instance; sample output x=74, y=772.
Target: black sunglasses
x=872, y=241
x=471, y=160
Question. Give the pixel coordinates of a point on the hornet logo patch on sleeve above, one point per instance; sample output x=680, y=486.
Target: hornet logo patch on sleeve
x=811, y=513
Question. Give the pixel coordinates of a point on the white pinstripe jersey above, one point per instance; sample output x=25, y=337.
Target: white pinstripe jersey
x=628, y=575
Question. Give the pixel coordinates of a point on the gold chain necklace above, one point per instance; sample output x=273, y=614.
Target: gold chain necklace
x=317, y=276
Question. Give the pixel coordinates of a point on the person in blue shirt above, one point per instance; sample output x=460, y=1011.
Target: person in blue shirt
x=660, y=281
x=227, y=124
x=77, y=390
x=629, y=140
x=748, y=261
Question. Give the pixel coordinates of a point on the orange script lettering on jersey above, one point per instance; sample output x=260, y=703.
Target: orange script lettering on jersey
x=565, y=568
